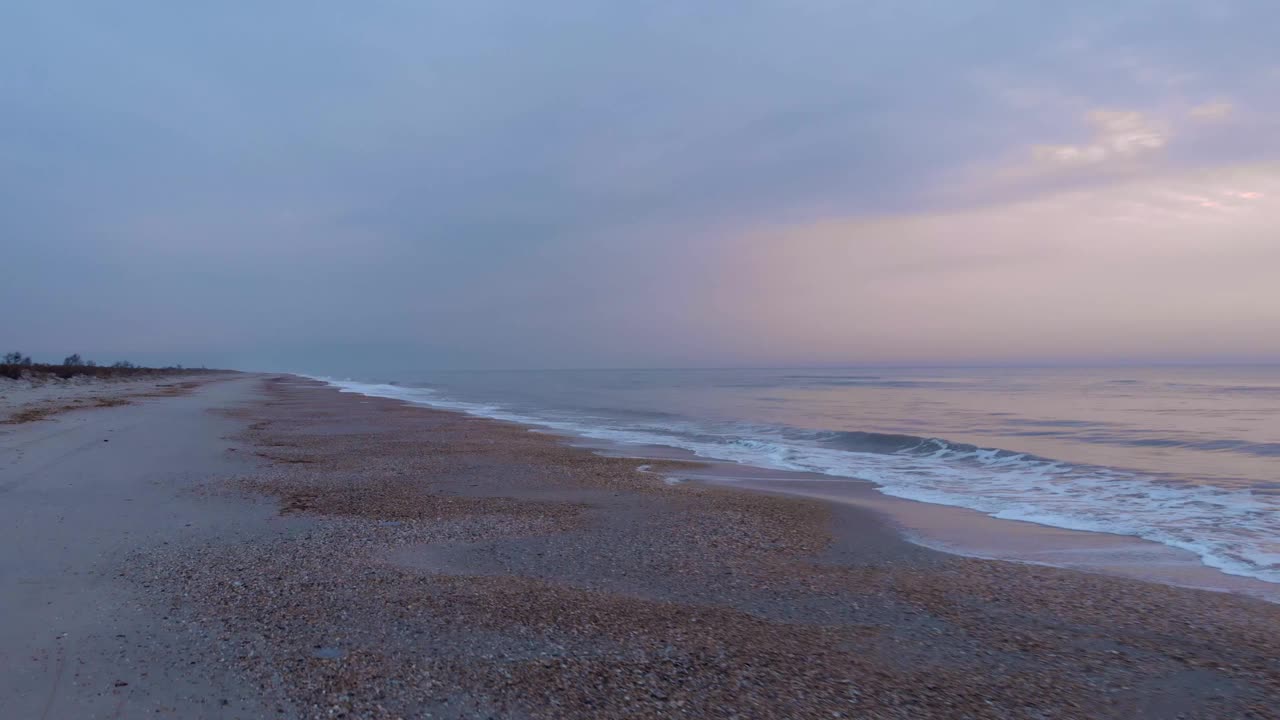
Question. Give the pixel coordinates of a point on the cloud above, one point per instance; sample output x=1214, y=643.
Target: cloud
x=1212, y=111
x=1143, y=268
x=1119, y=137
x=546, y=183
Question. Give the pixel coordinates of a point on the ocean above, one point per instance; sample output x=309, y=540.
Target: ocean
x=1188, y=457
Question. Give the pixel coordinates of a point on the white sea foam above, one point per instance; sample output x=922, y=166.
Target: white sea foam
x=1233, y=530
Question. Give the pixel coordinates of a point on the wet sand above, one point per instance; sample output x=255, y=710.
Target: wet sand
x=968, y=532
x=963, y=531
x=438, y=565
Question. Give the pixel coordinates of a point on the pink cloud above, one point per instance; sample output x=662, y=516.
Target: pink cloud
x=1212, y=111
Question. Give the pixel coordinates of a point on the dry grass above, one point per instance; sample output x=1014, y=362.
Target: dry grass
x=44, y=412
x=31, y=415
x=173, y=389
x=45, y=371
x=111, y=402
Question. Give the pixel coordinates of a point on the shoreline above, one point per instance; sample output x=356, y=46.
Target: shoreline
x=970, y=533
x=952, y=529
x=364, y=557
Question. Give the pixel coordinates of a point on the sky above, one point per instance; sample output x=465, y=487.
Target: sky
x=333, y=186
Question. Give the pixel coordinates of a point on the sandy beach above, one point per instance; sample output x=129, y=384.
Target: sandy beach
x=264, y=546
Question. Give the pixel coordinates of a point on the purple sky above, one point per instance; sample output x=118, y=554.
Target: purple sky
x=506, y=184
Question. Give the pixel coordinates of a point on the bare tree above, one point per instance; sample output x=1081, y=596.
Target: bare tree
x=73, y=359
